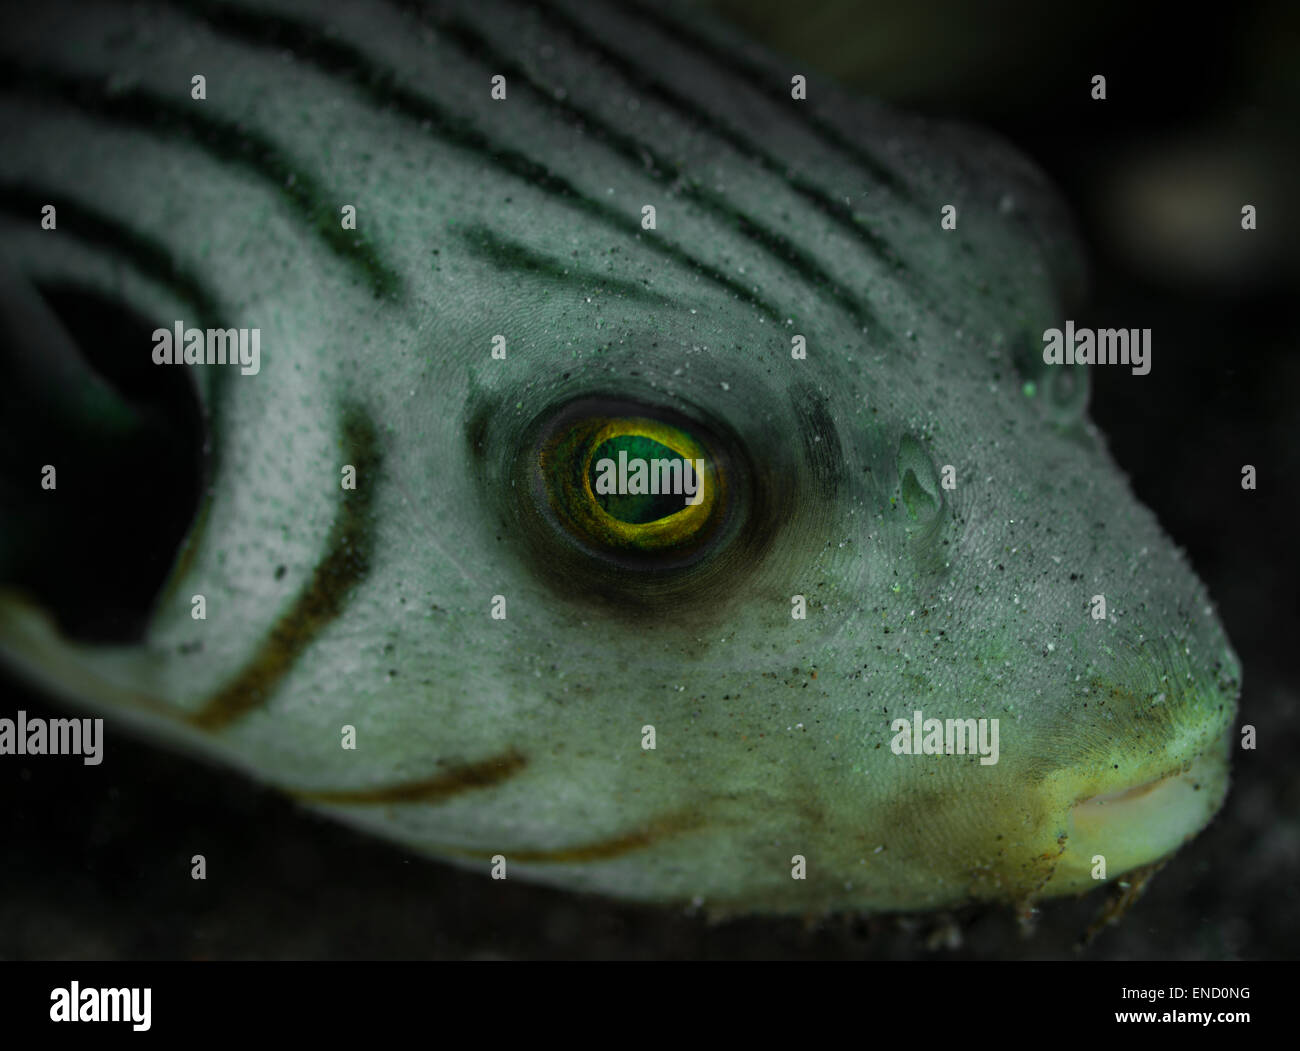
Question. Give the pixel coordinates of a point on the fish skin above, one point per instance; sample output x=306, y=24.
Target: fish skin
x=522, y=737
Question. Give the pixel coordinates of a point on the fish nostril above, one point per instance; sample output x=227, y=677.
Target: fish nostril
x=1067, y=389
x=1060, y=392
x=919, y=481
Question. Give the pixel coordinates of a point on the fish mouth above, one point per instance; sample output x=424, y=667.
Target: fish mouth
x=1141, y=823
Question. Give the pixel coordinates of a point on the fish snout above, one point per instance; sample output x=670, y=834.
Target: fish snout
x=1155, y=774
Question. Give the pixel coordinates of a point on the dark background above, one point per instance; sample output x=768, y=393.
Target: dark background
x=1200, y=118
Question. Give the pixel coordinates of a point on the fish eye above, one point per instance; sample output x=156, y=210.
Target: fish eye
x=633, y=484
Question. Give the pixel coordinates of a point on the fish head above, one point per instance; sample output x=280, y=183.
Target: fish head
x=405, y=595
x=921, y=524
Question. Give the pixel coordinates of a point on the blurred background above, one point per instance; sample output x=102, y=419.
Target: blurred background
x=1201, y=117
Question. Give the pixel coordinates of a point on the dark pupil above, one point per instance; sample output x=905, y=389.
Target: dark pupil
x=639, y=508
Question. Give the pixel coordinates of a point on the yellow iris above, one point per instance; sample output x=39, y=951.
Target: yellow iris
x=633, y=484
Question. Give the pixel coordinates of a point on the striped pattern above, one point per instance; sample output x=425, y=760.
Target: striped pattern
x=345, y=564
x=471, y=32
x=367, y=608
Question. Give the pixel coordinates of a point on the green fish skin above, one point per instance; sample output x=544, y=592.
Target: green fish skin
x=934, y=493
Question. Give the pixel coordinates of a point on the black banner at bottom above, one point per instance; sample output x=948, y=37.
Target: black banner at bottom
x=359, y=1000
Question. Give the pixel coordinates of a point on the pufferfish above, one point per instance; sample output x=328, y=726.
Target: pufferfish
x=484, y=248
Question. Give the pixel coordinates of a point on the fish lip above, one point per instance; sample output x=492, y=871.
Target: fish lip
x=1200, y=746
x=1136, y=791
x=1142, y=822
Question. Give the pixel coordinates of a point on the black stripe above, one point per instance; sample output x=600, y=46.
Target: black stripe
x=346, y=564
x=633, y=150
x=340, y=59
x=505, y=253
x=830, y=207
x=761, y=80
x=150, y=112
x=448, y=784
x=23, y=202
x=149, y=257
x=651, y=832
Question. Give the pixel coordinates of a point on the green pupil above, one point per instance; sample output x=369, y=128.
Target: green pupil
x=636, y=507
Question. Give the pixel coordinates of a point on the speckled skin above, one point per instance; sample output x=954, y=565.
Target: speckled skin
x=476, y=217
